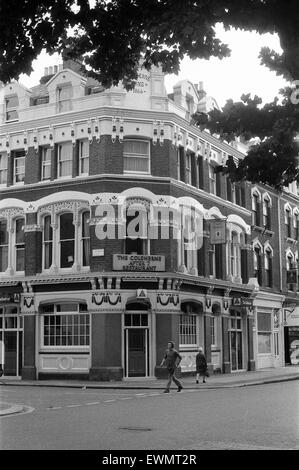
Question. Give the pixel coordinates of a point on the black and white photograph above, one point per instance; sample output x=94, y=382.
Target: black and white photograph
x=149, y=231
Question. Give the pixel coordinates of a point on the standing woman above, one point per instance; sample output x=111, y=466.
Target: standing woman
x=201, y=366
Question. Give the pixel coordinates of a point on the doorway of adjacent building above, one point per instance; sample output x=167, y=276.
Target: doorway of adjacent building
x=136, y=342
x=236, y=341
x=11, y=336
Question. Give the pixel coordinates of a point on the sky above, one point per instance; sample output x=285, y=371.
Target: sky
x=223, y=79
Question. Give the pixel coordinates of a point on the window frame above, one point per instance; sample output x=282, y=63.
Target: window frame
x=3, y=169
x=18, y=246
x=83, y=158
x=45, y=163
x=17, y=158
x=5, y=245
x=144, y=157
x=13, y=108
x=61, y=162
x=193, y=335
x=67, y=314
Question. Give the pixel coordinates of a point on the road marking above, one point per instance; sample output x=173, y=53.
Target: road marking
x=140, y=394
x=72, y=406
x=126, y=398
x=54, y=408
x=93, y=403
x=109, y=401
x=154, y=394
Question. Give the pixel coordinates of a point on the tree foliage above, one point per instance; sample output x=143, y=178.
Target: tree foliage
x=113, y=37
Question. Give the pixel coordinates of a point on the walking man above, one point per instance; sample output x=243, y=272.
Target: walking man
x=171, y=360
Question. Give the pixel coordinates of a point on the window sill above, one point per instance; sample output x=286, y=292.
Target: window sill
x=291, y=240
x=148, y=173
x=18, y=184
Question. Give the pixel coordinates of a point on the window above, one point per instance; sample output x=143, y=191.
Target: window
x=266, y=213
x=268, y=267
x=65, y=160
x=234, y=255
x=19, y=168
x=45, y=163
x=212, y=179
x=188, y=330
x=3, y=245
x=257, y=264
x=65, y=325
x=264, y=333
x=136, y=156
x=3, y=168
x=213, y=331
x=19, y=245
x=83, y=157
x=85, y=238
x=178, y=164
x=188, y=168
x=66, y=240
x=255, y=210
x=11, y=108
x=292, y=272
x=296, y=226
x=136, y=240
x=288, y=221
x=47, y=243
x=64, y=98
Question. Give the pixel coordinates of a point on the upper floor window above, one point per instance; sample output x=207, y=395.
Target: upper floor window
x=256, y=210
x=47, y=243
x=45, y=163
x=266, y=213
x=257, y=263
x=83, y=157
x=136, y=156
x=11, y=108
x=19, y=245
x=268, y=267
x=212, y=179
x=188, y=168
x=296, y=225
x=3, y=168
x=64, y=98
x=4, y=243
x=19, y=168
x=85, y=238
x=65, y=160
x=66, y=240
x=136, y=240
x=235, y=255
x=288, y=221
x=178, y=164
x=292, y=272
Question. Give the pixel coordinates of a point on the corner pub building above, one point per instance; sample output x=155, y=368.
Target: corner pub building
x=75, y=305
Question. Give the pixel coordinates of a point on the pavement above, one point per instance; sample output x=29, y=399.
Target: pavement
x=216, y=381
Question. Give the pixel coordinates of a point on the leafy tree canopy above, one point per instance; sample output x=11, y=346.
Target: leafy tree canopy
x=112, y=37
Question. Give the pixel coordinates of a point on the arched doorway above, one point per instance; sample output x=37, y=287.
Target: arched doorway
x=137, y=338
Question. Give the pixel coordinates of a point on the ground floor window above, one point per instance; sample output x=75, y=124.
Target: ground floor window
x=188, y=330
x=65, y=325
x=264, y=332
